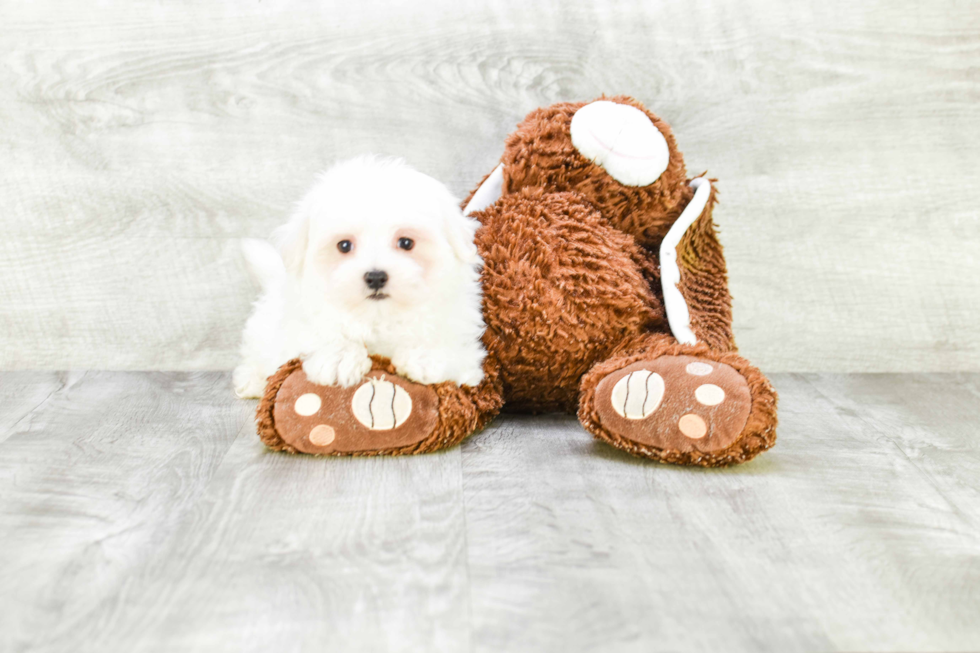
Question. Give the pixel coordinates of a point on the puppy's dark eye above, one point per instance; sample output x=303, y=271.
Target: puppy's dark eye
x=406, y=243
x=345, y=246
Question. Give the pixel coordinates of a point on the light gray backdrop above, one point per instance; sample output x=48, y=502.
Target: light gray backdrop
x=140, y=140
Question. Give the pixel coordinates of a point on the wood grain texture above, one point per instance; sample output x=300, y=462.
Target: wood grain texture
x=22, y=393
x=92, y=482
x=141, y=140
x=293, y=553
x=139, y=512
x=859, y=531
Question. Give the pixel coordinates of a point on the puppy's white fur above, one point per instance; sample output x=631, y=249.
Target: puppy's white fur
x=315, y=301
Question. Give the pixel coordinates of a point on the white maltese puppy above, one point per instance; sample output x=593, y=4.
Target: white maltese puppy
x=376, y=259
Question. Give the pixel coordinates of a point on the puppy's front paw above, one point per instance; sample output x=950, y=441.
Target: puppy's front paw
x=352, y=368
x=421, y=368
x=471, y=377
x=343, y=366
x=249, y=381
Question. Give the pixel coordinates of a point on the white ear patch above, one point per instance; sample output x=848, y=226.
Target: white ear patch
x=622, y=140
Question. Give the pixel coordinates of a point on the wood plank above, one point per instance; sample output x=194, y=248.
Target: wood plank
x=133, y=526
x=138, y=511
x=142, y=140
x=295, y=553
x=92, y=483
x=22, y=392
x=857, y=532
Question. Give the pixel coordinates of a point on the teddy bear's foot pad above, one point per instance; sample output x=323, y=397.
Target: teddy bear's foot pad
x=679, y=403
x=382, y=413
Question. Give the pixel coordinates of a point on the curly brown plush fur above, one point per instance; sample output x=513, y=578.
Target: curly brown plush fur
x=562, y=289
x=572, y=296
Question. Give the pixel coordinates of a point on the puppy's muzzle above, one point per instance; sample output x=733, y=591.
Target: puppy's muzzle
x=376, y=279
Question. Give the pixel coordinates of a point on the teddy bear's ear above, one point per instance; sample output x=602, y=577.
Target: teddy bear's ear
x=622, y=140
x=488, y=192
x=291, y=240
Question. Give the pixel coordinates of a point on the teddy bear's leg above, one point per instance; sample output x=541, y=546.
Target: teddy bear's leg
x=386, y=414
x=685, y=398
x=676, y=403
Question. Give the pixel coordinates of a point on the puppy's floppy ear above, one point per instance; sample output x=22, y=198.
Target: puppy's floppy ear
x=460, y=232
x=292, y=239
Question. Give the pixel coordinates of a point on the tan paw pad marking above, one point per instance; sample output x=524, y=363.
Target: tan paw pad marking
x=381, y=405
x=698, y=369
x=709, y=394
x=637, y=394
x=307, y=404
x=321, y=435
x=692, y=426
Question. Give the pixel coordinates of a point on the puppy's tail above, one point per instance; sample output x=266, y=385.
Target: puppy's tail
x=264, y=262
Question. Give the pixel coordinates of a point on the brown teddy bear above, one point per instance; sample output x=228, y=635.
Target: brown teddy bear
x=605, y=295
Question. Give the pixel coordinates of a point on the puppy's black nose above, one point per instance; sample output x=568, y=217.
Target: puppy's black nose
x=376, y=279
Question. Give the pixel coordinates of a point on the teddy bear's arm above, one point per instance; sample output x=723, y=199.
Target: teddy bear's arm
x=703, y=281
x=678, y=312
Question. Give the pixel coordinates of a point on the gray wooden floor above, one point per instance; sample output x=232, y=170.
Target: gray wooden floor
x=138, y=512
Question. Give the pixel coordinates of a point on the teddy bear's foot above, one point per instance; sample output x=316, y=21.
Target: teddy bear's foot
x=384, y=414
x=683, y=409
x=681, y=403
